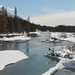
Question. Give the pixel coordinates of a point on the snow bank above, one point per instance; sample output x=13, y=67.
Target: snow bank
x=37, y=33
x=55, y=34
x=51, y=71
x=64, y=36
x=15, y=36
x=63, y=52
x=71, y=39
x=69, y=64
x=8, y=57
x=63, y=63
x=23, y=38
x=54, y=69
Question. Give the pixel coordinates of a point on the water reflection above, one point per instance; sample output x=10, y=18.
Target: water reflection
x=3, y=46
x=27, y=48
x=16, y=45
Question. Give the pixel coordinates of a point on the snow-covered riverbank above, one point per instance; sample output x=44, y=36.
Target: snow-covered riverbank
x=14, y=37
x=64, y=36
x=63, y=64
x=65, y=61
x=54, y=69
x=10, y=56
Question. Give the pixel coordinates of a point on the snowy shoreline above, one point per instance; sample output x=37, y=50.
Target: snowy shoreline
x=17, y=38
x=65, y=62
x=14, y=37
x=10, y=56
x=64, y=36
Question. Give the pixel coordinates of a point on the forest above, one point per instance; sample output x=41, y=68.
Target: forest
x=18, y=25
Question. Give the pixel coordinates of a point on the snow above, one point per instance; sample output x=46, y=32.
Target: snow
x=22, y=38
x=63, y=52
x=53, y=69
x=37, y=32
x=34, y=33
x=55, y=34
x=64, y=36
x=71, y=39
x=8, y=57
x=69, y=64
x=63, y=63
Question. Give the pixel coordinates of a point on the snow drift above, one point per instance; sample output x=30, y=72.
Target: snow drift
x=8, y=57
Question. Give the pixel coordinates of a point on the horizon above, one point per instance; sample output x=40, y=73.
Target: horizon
x=48, y=13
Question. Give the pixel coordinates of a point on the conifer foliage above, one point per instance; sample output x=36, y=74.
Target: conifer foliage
x=9, y=24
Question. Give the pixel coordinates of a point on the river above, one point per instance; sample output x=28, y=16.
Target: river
x=36, y=64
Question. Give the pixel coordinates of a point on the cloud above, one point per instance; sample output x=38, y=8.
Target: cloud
x=10, y=9
x=51, y=10
x=45, y=9
x=1, y=6
x=65, y=18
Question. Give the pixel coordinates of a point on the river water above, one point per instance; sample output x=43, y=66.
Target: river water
x=36, y=64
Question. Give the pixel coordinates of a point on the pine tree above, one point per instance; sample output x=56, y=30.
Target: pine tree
x=10, y=25
x=1, y=26
x=15, y=12
x=3, y=21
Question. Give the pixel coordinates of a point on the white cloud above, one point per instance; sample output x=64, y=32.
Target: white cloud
x=10, y=9
x=45, y=9
x=1, y=6
x=51, y=10
x=65, y=18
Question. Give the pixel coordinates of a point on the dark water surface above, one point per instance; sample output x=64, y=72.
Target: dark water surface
x=36, y=64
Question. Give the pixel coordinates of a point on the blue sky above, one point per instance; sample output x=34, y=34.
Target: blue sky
x=44, y=12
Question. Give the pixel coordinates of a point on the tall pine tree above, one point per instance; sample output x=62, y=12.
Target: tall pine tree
x=3, y=21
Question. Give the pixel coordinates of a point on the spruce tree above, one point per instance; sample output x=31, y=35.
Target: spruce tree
x=3, y=21
x=15, y=12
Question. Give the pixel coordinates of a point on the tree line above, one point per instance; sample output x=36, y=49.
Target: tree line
x=9, y=24
x=60, y=28
x=18, y=25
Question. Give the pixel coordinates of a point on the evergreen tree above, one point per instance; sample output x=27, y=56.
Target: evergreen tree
x=3, y=21
x=15, y=12
x=1, y=26
x=10, y=27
